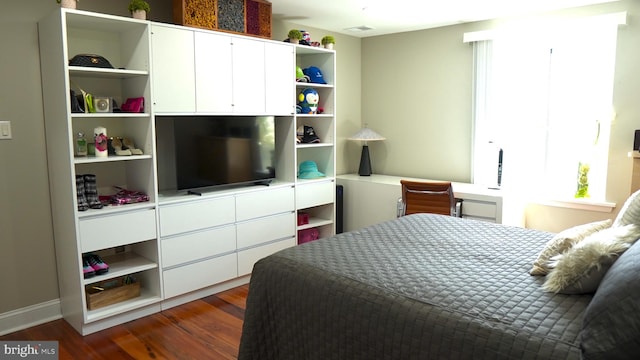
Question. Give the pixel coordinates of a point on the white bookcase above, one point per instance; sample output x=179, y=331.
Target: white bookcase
x=316, y=197
x=178, y=247
x=125, y=236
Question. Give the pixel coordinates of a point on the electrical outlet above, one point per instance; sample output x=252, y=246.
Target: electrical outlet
x=5, y=130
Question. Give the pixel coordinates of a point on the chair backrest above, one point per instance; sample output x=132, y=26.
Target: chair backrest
x=434, y=197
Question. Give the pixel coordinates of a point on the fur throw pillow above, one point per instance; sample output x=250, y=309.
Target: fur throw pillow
x=581, y=268
x=562, y=242
x=630, y=211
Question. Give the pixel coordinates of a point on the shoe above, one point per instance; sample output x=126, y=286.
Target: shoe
x=117, y=147
x=91, y=191
x=87, y=270
x=83, y=205
x=96, y=263
x=128, y=143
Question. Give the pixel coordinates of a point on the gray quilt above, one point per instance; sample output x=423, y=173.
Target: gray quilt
x=419, y=287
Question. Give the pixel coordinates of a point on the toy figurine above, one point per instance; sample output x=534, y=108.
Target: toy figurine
x=308, y=101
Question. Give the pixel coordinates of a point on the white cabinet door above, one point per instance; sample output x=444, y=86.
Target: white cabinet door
x=279, y=78
x=213, y=63
x=173, y=69
x=248, y=76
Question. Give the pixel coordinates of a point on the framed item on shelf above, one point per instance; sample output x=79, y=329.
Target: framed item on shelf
x=102, y=104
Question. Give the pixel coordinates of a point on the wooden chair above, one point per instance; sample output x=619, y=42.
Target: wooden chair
x=434, y=197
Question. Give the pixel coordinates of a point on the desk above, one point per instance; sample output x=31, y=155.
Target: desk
x=372, y=199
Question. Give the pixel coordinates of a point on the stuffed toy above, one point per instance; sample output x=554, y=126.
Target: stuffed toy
x=308, y=101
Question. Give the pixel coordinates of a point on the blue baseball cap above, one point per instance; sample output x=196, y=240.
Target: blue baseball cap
x=314, y=74
x=309, y=170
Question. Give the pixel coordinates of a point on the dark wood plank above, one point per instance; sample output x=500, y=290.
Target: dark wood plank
x=210, y=327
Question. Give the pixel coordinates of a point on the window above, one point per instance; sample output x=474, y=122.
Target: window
x=545, y=99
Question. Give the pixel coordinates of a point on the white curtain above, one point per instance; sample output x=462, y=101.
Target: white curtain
x=544, y=96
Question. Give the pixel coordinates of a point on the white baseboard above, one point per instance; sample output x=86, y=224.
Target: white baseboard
x=29, y=316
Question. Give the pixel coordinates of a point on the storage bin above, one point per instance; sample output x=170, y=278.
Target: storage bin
x=111, y=291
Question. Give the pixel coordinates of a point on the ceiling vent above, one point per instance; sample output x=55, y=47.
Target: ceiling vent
x=359, y=28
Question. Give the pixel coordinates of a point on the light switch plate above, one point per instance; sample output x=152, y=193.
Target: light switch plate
x=5, y=130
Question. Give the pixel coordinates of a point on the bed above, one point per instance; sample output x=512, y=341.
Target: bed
x=424, y=287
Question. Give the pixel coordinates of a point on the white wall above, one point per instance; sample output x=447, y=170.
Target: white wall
x=416, y=91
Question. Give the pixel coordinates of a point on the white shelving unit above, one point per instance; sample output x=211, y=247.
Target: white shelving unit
x=316, y=197
x=125, y=236
x=178, y=247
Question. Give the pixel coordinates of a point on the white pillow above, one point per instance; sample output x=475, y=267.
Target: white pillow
x=562, y=242
x=580, y=269
x=630, y=211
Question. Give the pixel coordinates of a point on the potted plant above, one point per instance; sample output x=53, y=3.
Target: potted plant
x=328, y=42
x=69, y=4
x=139, y=9
x=294, y=36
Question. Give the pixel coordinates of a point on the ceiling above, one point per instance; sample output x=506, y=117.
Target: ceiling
x=386, y=17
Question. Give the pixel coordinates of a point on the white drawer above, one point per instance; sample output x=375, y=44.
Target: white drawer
x=196, y=215
x=196, y=276
x=479, y=209
x=314, y=194
x=265, y=229
x=107, y=231
x=247, y=258
x=263, y=203
x=198, y=245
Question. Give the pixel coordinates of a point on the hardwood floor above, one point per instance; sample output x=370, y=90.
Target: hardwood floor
x=208, y=328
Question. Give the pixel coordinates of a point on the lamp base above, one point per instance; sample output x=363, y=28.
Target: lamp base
x=365, y=162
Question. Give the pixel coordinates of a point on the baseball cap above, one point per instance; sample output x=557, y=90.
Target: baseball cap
x=314, y=74
x=307, y=135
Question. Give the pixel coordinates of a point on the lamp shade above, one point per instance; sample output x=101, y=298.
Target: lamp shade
x=366, y=134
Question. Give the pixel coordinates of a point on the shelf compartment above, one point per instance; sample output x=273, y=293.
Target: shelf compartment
x=122, y=264
x=146, y=297
x=122, y=41
x=112, y=175
x=323, y=156
x=101, y=294
x=325, y=101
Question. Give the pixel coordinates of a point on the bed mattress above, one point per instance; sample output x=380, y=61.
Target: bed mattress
x=418, y=287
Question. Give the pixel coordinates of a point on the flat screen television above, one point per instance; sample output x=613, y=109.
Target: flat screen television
x=198, y=152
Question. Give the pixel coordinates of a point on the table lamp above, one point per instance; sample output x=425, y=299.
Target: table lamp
x=365, y=134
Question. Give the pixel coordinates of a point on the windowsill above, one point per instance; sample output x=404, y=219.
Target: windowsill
x=580, y=204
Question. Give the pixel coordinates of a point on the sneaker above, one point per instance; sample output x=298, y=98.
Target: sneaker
x=99, y=266
x=87, y=270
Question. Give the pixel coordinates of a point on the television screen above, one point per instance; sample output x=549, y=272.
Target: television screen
x=216, y=151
